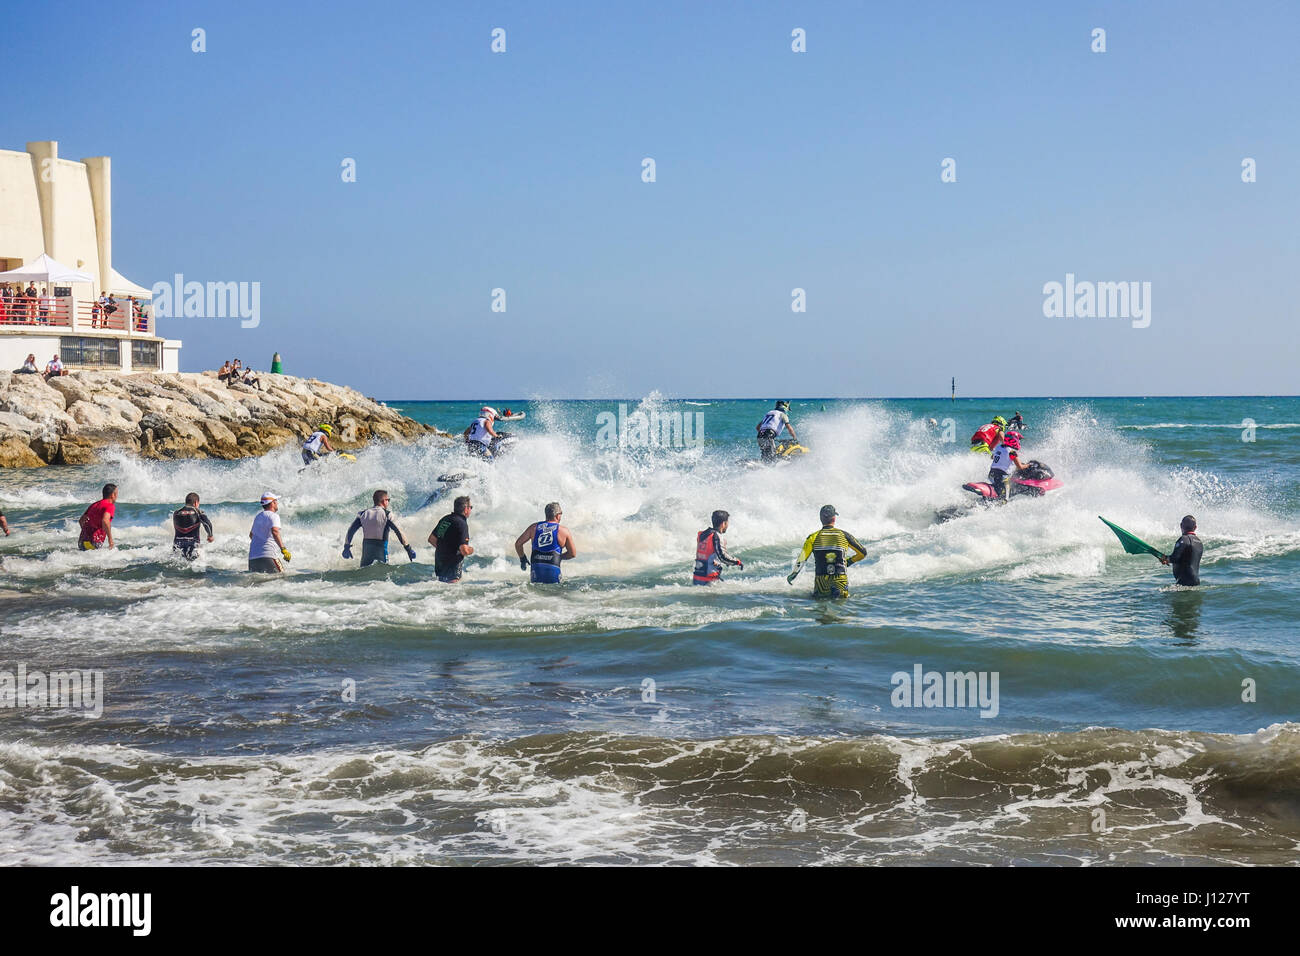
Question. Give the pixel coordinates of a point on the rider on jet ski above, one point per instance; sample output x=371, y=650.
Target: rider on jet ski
x=480, y=434
x=769, y=429
x=986, y=439
x=1005, y=457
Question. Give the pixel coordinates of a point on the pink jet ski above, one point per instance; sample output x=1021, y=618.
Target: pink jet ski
x=1035, y=480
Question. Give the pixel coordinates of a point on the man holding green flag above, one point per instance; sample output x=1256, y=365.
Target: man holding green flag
x=1186, y=556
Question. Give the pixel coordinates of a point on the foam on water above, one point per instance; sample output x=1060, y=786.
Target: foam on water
x=603, y=799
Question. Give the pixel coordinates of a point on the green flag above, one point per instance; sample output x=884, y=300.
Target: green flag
x=1132, y=543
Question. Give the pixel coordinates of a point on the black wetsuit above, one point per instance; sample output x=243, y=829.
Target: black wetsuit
x=187, y=522
x=1186, y=560
x=452, y=531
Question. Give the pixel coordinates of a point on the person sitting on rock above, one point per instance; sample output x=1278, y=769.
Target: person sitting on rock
x=224, y=373
x=29, y=366
x=54, y=368
x=251, y=380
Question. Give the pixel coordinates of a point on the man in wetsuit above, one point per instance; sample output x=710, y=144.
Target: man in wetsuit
x=375, y=524
x=552, y=543
x=769, y=429
x=96, y=522
x=828, y=547
x=710, y=551
x=1186, y=556
x=187, y=522
x=450, y=539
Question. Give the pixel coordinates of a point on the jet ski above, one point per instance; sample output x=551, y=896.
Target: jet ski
x=787, y=449
x=1033, y=481
x=501, y=445
x=450, y=483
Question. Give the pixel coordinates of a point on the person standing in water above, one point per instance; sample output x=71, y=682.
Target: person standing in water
x=187, y=523
x=828, y=547
x=96, y=522
x=375, y=524
x=552, y=543
x=450, y=540
x=1186, y=556
x=710, y=551
x=264, y=540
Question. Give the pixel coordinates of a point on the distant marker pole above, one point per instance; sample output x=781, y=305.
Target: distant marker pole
x=954, y=388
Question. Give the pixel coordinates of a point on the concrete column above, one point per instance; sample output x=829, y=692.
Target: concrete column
x=45, y=156
x=99, y=170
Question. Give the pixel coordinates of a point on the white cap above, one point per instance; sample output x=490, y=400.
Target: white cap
x=268, y=498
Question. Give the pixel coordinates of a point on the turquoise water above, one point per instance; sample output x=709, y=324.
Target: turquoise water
x=627, y=716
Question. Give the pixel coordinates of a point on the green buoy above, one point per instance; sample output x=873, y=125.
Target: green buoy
x=276, y=366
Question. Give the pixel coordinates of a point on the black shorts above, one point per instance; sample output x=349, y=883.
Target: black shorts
x=264, y=565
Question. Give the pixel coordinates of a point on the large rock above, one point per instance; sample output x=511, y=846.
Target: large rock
x=15, y=452
x=76, y=450
x=168, y=415
x=72, y=388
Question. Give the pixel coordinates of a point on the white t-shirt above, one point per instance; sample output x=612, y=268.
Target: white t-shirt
x=478, y=432
x=312, y=444
x=263, y=545
x=775, y=420
x=1002, y=458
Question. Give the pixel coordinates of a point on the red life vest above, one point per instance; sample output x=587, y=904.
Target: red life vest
x=987, y=435
x=706, y=557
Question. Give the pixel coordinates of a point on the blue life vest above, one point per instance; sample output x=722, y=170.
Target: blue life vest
x=545, y=562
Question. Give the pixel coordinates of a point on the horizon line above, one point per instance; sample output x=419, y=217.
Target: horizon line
x=890, y=398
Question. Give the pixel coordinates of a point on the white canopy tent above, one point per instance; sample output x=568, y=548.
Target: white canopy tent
x=47, y=270
x=124, y=286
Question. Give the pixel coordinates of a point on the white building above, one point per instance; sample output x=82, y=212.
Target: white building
x=64, y=209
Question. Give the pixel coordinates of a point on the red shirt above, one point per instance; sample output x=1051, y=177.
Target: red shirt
x=92, y=522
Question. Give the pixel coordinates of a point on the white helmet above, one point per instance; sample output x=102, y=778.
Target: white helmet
x=487, y=411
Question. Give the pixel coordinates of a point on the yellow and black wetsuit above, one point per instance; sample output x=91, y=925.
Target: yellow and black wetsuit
x=828, y=547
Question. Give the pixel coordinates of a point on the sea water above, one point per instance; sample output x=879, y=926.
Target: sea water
x=334, y=715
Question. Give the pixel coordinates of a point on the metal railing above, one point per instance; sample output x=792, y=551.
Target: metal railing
x=36, y=310
x=65, y=312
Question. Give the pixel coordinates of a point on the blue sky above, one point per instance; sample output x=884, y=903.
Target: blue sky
x=775, y=170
